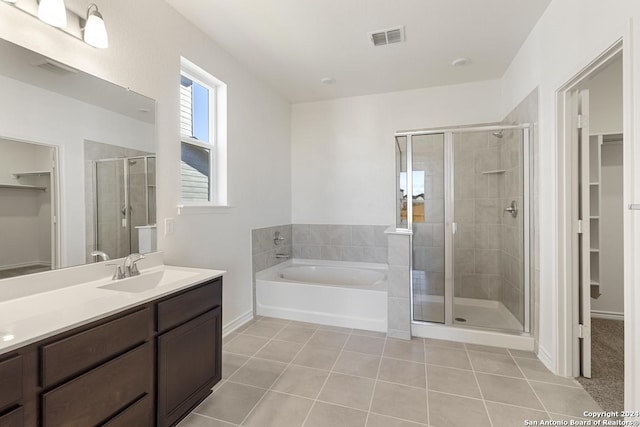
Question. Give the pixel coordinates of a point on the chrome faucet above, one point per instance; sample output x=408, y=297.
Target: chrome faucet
x=130, y=267
x=103, y=255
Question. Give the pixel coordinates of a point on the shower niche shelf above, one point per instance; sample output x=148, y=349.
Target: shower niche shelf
x=23, y=187
x=19, y=175
x=497, y=171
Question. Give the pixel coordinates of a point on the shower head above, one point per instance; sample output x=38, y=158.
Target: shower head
x=497, y=134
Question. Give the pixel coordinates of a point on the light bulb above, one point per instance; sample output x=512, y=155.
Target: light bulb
x=95, y=32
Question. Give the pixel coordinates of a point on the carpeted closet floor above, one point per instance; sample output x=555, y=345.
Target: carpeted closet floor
x=606, y=384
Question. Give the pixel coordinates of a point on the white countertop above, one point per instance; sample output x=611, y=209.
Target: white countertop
x=36, y=316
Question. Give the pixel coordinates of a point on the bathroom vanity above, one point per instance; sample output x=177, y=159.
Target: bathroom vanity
x=150, y=352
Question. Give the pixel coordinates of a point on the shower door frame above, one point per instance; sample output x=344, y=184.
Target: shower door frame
x=450, y=225
x=125, y=178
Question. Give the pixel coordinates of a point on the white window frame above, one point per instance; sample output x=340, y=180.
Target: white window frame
x=217, y=144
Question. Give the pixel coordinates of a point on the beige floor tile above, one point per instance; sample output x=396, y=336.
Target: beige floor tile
x=364, y=333
x=301, y=381
x=368, y=345
x=360, y=364
x=509, y=416
x=454, y=381
x=327, y=415
x=195, y=420
x=328, y=339
x=400, y=401
x=279, y=410
x=523, y=354
x=447, y=357
x=412, y=350
x=443, y=343
x=314, y=357
x=535, y=370
x=376, y=420
x=446, y=410
x=295, y=334
x=245, y=344
x=231, y=402
x=244, y=326
x=508, y=390
x=231, y=363
x=275, y=320
x=347, y=390
x=281, y=351
x=258, y=373
x=492, y=363
x=307, y=325
x=564, y=400
x=264, y=329
x=229, y=337
x=486, y=349
x=403, y=372
x=335, y=329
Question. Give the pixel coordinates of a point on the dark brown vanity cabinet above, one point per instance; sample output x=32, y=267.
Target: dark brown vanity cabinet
x=147, y=366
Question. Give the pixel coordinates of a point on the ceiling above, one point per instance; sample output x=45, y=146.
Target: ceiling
x=292, y=44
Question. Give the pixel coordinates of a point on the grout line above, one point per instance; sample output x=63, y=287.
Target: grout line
x=281, y=373
x=375, y=382
x=208, y=417
x=531, y=387
x=484, y=402
x=327, y=379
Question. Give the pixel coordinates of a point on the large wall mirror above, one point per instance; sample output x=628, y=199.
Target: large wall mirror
x=77, y=166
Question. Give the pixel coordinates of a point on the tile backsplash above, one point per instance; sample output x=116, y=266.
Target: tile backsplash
x=359, y=243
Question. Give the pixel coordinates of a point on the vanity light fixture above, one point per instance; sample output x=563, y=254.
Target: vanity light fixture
x=53, y=12
x=10, y=1
x=95, y=32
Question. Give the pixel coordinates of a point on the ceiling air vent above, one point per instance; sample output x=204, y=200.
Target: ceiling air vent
x=388, y=36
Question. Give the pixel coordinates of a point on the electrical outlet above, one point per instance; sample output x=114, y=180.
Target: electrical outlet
x=168, y=226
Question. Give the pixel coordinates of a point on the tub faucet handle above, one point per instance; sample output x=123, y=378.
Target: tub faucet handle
x=277, y=238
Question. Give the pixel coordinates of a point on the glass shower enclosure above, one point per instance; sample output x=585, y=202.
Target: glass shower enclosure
x=465, y=195
x=125, y=197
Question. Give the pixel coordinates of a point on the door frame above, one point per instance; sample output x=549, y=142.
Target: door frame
x=568, y=362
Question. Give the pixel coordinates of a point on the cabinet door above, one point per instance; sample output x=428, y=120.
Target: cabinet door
x=189, y=364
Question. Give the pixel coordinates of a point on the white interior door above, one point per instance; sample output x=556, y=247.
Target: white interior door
x=584, y=237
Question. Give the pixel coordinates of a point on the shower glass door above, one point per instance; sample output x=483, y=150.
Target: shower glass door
x=421, y=207
x=488, y=244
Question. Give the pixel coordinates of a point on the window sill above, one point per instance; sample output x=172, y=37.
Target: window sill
x=204, y=208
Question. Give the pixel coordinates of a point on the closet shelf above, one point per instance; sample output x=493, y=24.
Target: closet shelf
x=493, y=172
x=594, y=250
x=594, y=183
x=23, y=187
x=594, y=217
x=595, y=283
x=31, y=173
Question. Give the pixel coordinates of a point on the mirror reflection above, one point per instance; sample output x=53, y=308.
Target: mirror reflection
x=77, y=166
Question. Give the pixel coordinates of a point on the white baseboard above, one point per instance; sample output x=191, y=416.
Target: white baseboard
x=236, y=323
x=546, y=359
x=613, y=315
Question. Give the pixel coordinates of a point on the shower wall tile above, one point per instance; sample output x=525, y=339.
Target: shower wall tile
x=398, y=285
x=354, y=243
x=487, y=261
x=398, y=278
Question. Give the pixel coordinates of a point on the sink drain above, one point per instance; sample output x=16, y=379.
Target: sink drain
x=460, y=319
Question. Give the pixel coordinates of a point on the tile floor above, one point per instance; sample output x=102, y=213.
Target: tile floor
x=286, y=374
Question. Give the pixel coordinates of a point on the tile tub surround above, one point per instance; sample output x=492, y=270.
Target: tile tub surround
x=356, y=243
x=398, y=285
x=286, y=373
x=264, y=250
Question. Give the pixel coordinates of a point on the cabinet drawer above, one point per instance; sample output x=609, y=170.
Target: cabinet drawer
x=179, y=309
x=79, y=352
x=99, y=394
x=12, y=419
x=10, y=381
x=140, y=414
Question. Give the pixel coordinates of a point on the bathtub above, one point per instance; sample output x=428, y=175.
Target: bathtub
x=347, y=294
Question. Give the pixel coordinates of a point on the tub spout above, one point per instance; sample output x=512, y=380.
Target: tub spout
x=285, y=256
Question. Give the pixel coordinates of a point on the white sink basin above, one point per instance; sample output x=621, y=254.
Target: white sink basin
x=148, y=281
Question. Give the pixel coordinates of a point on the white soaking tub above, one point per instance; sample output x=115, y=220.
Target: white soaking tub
x=347, y=294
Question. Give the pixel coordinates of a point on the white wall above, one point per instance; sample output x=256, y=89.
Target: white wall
x=611, y=233
x=41, y=116
x=147, y=38
x=343, y=155
x=569, y=35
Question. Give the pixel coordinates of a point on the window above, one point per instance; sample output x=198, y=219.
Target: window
x=202, y=137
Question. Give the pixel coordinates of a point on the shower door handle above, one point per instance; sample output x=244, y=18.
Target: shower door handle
x=634, y=207
x=454, y=228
